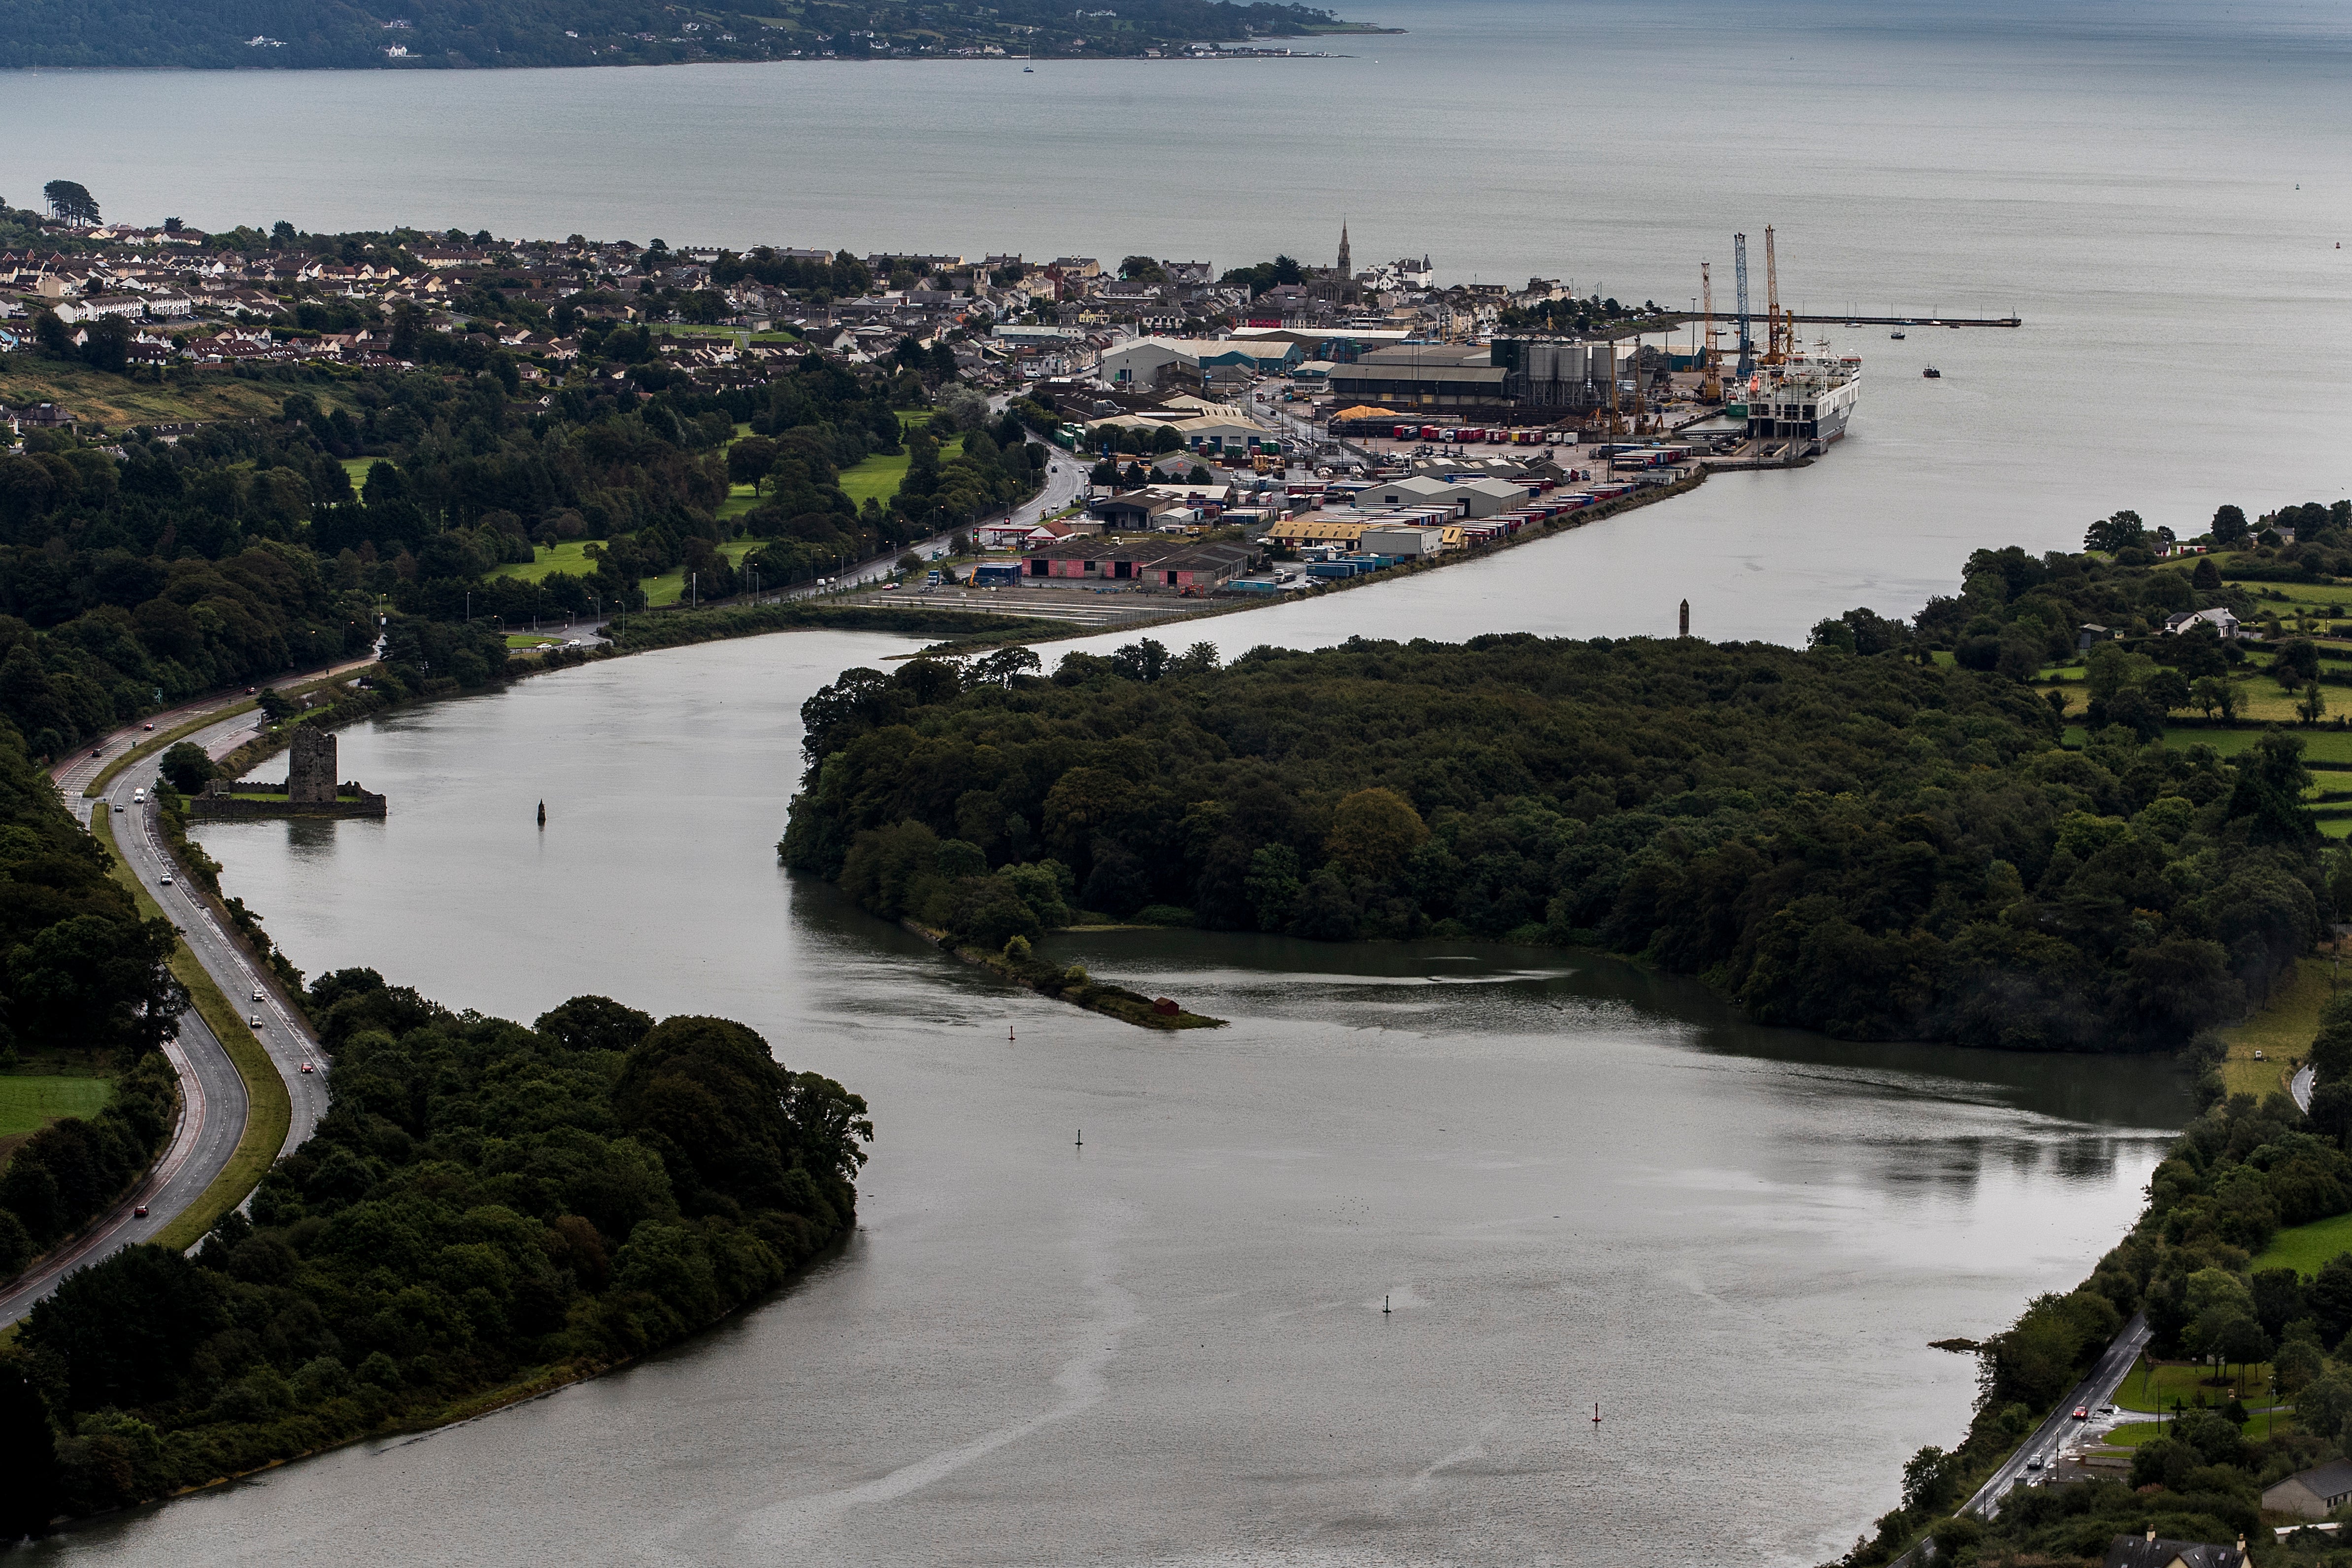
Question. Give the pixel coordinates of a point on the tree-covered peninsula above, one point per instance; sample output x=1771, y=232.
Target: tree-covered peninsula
x=1856, y=838
x=2239, y=1263
x=487, y=1209
x=313, y=34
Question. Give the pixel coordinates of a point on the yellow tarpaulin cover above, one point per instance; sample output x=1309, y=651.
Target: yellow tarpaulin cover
x=1366, y=414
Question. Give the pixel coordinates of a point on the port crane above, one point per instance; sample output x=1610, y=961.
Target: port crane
x=1710, y=386
x=1777, y=333
x=1746, y=344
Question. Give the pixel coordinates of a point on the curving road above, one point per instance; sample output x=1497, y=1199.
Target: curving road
x=213, y=1104
x=2058, y=1429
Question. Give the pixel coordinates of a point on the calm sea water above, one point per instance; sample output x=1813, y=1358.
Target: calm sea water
x=1573, y=1182
x=2158, y=190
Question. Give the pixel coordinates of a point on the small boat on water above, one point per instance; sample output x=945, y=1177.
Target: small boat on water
x=1028, y=70
x=1932, y=373
x=1896, y=336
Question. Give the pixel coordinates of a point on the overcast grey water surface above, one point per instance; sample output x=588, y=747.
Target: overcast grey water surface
x=2157, y=189
x=1573, y=1182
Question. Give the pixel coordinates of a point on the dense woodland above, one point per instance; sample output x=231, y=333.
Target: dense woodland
x=483, y=1205
x=311, y=35
x=238, y=552
x=1843, y=839
x=83, y=980
x=2239, y=1173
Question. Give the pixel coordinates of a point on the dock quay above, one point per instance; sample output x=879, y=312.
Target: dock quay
x=1909, y=320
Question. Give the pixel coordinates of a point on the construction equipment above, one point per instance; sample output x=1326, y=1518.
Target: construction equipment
x=1710, y=386
x=1776, y=331
x=1746, y=344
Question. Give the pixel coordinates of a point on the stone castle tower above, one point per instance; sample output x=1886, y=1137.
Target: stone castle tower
x=310, y=768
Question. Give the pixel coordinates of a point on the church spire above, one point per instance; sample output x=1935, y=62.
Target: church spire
x=1346, y=271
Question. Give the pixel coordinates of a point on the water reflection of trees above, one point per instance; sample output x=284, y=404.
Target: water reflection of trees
x=1955, y=1165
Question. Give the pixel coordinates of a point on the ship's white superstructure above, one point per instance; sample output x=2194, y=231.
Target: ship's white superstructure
x=1813, y=398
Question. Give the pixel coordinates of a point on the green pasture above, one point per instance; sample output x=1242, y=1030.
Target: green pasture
x=2306, y=1248
x=31, y=1102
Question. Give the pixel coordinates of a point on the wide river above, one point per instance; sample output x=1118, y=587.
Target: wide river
x=1575, y=1184
x=2159, y=189
x=1572, y=1182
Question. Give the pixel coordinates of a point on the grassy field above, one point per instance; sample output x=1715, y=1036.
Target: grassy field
x=877, y=478
x=2260, y=1429
x=269, y=1111
x=2282, y=1029
x=880, y=477
x=117, y=402
x=2318, y=745
x=2306, y=1248
x=571, y=556
x=689, y=329
x=2150, y=1392
x=29, y=1103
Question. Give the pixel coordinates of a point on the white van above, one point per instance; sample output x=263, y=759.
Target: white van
x=138, y=797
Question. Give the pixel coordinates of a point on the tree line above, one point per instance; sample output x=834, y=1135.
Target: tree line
x=83, y=978
x=240, y=551
x=482, y=1200
x=1854, y=843
x=2238, y=1175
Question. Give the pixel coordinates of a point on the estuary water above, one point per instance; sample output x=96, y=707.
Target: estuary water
x=2159, y=190
x=1572, y=1184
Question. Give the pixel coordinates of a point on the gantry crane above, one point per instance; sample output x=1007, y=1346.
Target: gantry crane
x=1776, y=331
x=1710, y=386
x=1746, y=343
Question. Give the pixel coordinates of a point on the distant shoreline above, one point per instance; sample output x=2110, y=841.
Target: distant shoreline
x=414, y=67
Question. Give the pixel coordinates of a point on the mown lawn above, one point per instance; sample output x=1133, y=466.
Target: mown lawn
x=571, y=555
x=881, y=476
x=31, y=1102
x=2307, y=1248
x=671, y=588
x=2151, y=1391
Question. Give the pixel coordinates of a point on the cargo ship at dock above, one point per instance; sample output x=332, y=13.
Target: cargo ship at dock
x=1809, y=399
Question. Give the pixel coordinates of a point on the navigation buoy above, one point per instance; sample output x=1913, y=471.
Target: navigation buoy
x=1596, y=1413
x=1008, y=1034
x=542, y=814
x=1082, y=1137
x=1385, y=1306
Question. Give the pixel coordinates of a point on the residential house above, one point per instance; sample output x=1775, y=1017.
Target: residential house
x=2312, y=1494
x=2220, y=618
x=2138, y=1552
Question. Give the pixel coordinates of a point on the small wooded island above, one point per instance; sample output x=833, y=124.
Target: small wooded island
x=1891, y=835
